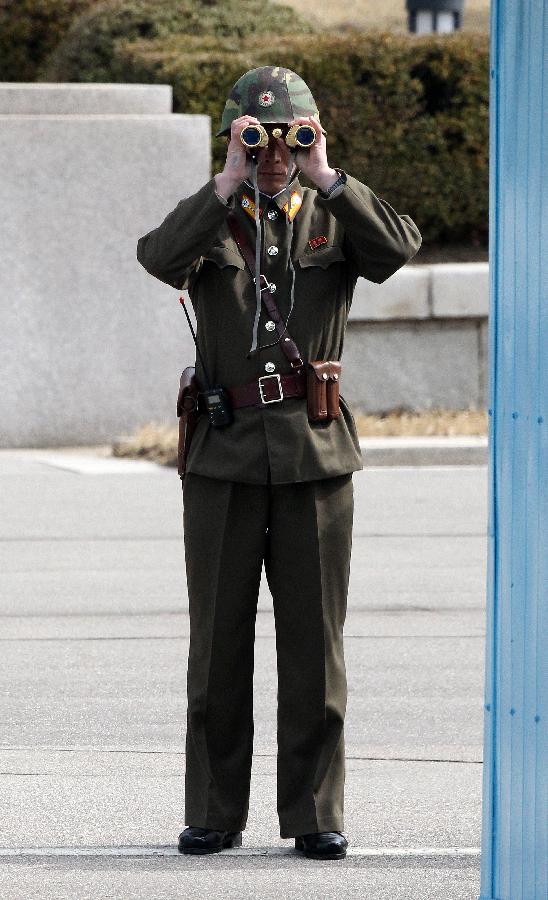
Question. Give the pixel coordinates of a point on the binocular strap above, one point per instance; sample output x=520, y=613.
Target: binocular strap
x=258, y=243
x=258, y=246
x=288, y=346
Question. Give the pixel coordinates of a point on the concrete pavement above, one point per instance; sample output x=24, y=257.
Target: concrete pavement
x=94, y=640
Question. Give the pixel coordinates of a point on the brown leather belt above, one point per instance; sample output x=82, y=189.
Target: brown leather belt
x=268, y=389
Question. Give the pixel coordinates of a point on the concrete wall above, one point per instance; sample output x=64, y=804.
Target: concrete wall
x=91, y=346
x=419, y=341
x=41, y=99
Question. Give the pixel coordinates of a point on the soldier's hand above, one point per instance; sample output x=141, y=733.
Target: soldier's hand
x=313, y=162
x=237, y=165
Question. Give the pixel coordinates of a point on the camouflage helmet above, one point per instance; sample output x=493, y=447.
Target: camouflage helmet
x=271, y=94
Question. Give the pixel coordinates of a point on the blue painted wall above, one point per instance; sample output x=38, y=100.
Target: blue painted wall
x=515, y=787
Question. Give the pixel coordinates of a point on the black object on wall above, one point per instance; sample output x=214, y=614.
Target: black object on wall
x=428, y=16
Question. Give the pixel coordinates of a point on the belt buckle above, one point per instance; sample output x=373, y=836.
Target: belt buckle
x=280, y=389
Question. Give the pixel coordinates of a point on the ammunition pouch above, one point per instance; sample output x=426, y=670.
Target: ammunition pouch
x=322, y=389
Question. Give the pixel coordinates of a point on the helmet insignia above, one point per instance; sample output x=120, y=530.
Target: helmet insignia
x=267, y=98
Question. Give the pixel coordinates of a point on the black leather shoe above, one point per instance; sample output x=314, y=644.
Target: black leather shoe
x=322, y=844
x=205, y=840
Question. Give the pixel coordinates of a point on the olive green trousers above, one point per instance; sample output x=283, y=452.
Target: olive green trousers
x=302, y=531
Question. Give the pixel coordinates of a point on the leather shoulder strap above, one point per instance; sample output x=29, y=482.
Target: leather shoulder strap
x=288, y=345
x=242, y=241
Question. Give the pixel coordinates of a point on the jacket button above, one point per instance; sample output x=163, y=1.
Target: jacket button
x=269, y=366
x=272, y=250
x=270, y=325
x=272, y=214
x=272, y=287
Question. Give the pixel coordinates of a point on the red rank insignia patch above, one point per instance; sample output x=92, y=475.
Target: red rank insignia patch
x=316, y=242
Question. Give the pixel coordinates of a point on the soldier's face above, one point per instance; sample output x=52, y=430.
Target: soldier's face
x=272, y=165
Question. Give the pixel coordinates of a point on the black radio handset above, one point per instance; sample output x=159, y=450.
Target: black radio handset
x=216, y=398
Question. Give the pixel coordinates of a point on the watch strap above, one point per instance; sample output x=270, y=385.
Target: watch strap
x=338, y=183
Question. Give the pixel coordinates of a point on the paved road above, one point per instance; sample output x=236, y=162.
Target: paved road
x=94, y=641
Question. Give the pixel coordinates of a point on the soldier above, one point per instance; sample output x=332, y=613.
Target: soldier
x=275, y=485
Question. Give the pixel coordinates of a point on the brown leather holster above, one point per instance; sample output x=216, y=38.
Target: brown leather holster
x=188, y=414
x=322, y=389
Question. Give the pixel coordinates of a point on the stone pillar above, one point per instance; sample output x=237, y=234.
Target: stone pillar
x=91, y=346
x=515, y=789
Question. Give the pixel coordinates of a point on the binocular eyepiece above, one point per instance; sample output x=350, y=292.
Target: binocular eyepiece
x=255, y=136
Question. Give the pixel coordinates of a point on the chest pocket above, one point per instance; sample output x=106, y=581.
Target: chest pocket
x=222, y=257
x=322, y=281
x=225, y=256
x=322, y=257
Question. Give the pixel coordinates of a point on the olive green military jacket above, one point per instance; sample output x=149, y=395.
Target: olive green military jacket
x=332, y=242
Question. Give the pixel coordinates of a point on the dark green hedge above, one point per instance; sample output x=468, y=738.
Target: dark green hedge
x=30, y=30
x=406, y=115
x=89, y=50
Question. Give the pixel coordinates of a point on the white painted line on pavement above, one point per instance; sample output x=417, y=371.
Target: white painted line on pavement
x=434, y=441
x=385, y=852
x=99, y=465
x=426, y=468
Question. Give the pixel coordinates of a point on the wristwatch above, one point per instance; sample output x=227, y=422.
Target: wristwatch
x=340, y=181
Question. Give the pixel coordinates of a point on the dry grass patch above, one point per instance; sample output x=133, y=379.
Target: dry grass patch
x=158, y=442
x=152, y=441
x=443, y=422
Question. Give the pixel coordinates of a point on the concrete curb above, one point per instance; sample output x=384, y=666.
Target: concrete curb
x=419, y=450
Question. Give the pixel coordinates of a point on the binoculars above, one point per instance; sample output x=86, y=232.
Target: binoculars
x=255, y=136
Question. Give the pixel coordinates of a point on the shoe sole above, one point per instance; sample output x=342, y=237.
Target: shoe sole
x=234, y=841
x=311, y=855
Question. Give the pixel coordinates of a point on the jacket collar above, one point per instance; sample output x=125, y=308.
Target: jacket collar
x=245, y=198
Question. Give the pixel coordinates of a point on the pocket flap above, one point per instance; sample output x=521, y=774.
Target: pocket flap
x=325, y=369
x=225, y=256
x=323, y=257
